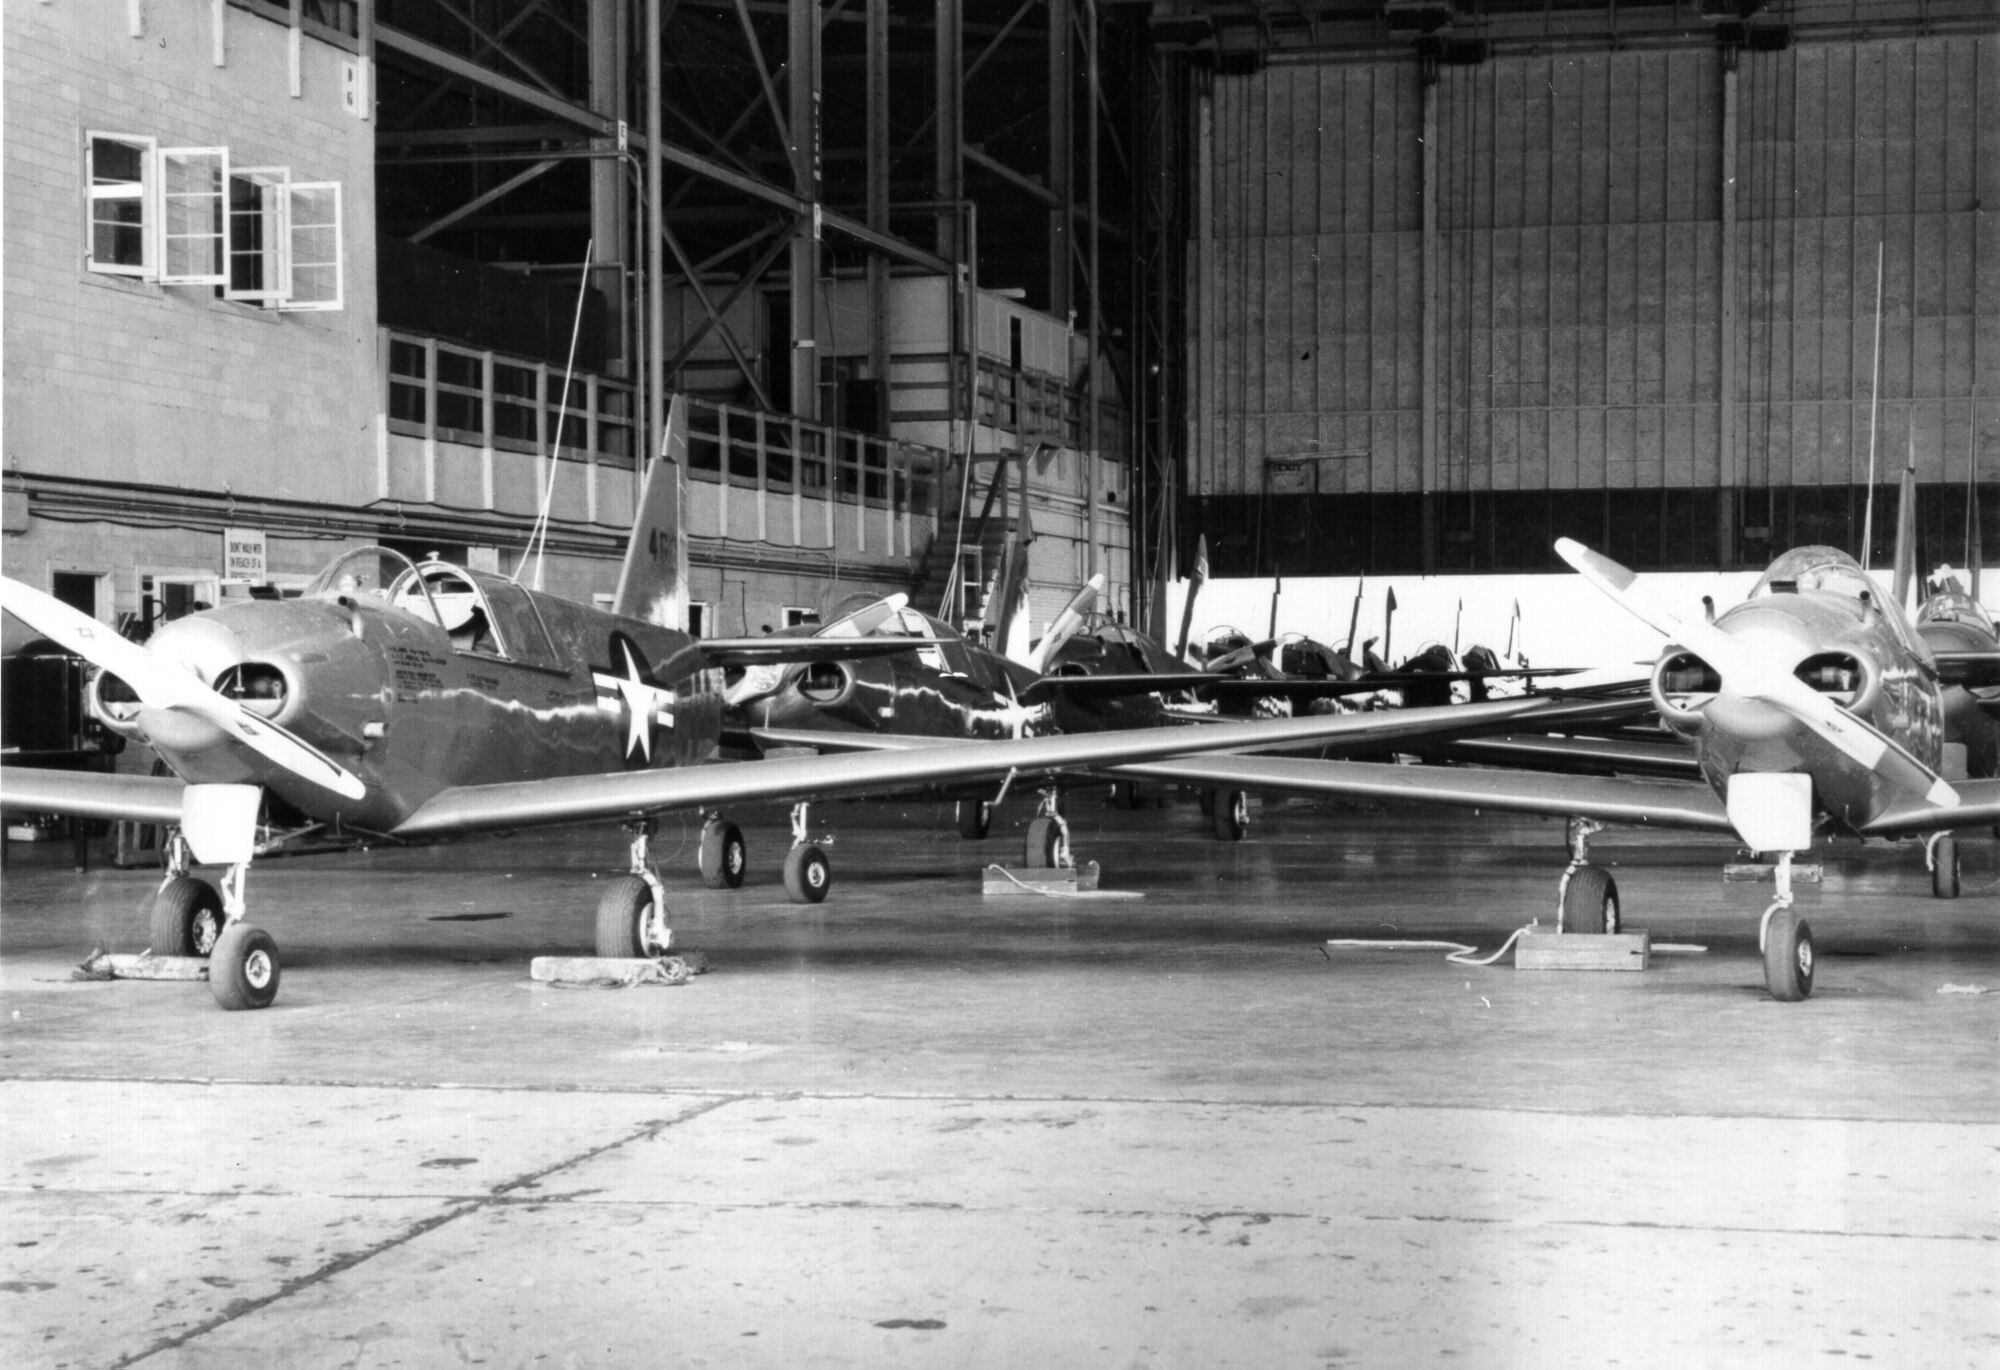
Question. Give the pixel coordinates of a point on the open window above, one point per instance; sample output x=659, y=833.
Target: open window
x=118, y=169
x=183, y=216
x=260, y=242
x=192, y=182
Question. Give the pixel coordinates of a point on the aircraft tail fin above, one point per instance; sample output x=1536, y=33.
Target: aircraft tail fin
x=1904, y=577
x=1011, y=631
x=653, y=584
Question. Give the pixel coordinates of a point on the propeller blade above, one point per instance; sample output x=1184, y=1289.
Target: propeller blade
x=1751, y=673
x=1067, y=623
x=866, y=619
x=165, y=684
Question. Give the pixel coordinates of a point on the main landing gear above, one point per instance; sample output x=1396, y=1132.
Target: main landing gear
x=632, y=913
x=1047, y=846
x=975, y=818
x=723, y=855
x=1587, y=898
x=808, y=874
x=1941, y=855
x=193, y=918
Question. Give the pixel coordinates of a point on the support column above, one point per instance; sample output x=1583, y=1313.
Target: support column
x=803, y=100
x=949, y=52
x=1728, y=477
x=1428, y=456
x=878, y=202
x=656, y=297
x=1062, y=156
x=1098, y=334
x=609, y=20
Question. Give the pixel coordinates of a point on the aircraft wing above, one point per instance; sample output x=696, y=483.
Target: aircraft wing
x=1909, y=815
x=1113, y=686
x=904, y=764
x=91, y=794
x=1579, y=755
x=1609, y=799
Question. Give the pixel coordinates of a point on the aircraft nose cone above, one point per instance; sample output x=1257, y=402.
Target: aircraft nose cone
x=1748, y=720
x=201, y=644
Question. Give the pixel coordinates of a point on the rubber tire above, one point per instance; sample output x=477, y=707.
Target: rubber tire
x=243, y=970
x=1229, y=818
x=1788, y=957
x=1124, y=794
x=1207, y=800
x=1590, y=901
x=1038, y=849
x=621, y=913
x=187, y=918
x=808, y=874
x=724, y=857
x=1944, y=871
x=975, y=818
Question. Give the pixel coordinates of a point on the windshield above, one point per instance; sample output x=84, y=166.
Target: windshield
x=1815, y=570
x=1955, y=606
x=365, y=571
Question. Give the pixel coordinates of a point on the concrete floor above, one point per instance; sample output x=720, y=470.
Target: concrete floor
x=915, y=1126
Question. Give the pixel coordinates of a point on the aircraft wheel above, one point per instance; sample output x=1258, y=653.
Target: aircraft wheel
x=1944, y=867
x=1590, y=901
x=1039, y=852
x=1788, y=957
x=243, y=969
x=1124, y=794
x=975, y=819
x=723, y=855
x=1207, y=802
x=624, y=914
x=187, y=918
x=1229, y=815
x=808, y=874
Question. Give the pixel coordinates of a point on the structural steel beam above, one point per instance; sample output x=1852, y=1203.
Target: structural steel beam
x=480, y=201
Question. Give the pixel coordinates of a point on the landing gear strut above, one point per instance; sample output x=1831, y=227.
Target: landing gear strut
x=1786, y=941
x=632, y=913
x=808, y=874
x=1587, y=898
x=243, y=969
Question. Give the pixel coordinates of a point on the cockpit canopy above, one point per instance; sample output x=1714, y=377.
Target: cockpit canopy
x=1815, y=570
x=1953, y=605
x=482, y=614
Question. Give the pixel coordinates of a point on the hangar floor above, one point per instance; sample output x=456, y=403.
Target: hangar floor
x=915, y=1126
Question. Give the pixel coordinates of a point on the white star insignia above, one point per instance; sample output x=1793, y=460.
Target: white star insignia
x=638, y=696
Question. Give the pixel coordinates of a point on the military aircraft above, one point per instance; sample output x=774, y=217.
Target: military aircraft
x=1814, y=707
x=421, y=700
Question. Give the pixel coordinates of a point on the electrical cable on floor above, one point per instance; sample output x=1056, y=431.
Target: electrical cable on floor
x=1459, y=954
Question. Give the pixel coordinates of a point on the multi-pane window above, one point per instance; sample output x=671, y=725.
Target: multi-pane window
x=441, y=391
x=118, y=168
x=184, y=216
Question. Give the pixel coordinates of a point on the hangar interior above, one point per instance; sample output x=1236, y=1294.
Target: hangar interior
x=1345, y=288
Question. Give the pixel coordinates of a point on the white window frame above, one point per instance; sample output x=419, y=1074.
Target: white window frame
x=797, y=615
x=275, y=253
x=95, y=194
x=317, y=242
x=205, y=207
x=700, y=618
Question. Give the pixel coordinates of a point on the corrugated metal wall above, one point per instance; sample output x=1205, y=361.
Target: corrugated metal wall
x=1579, y=305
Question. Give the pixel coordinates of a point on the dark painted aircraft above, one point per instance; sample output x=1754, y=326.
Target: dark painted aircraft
x=417, y=701
x=1813, y=708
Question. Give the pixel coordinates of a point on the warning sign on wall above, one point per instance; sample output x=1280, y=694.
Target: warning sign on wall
x=243, y=555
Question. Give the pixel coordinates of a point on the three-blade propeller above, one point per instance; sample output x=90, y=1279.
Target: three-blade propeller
x=162, y=683
x=1752, y=673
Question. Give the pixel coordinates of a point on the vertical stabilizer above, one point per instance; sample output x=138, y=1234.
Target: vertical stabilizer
x=653, y=582
x=1905, y=574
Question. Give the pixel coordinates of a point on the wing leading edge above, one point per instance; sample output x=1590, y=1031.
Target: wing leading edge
x=891, y=768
